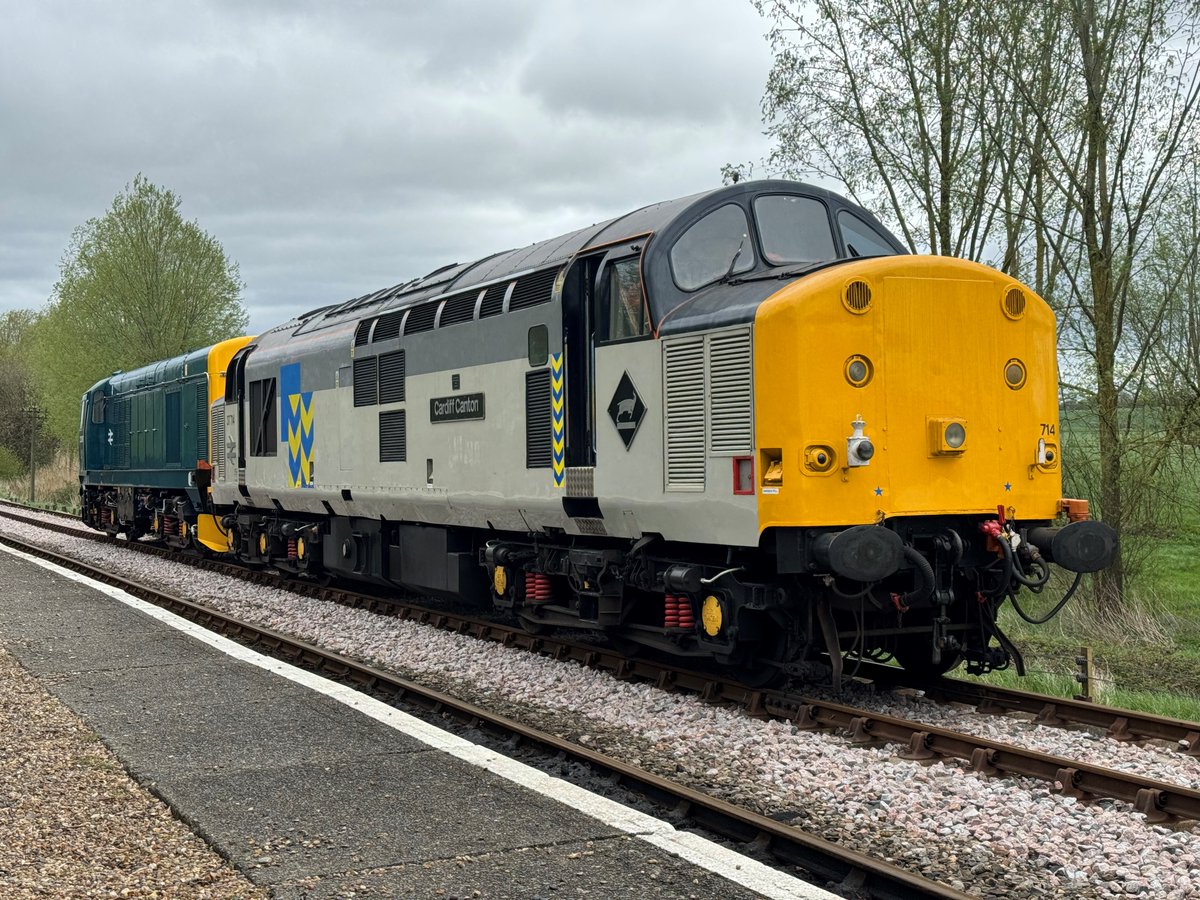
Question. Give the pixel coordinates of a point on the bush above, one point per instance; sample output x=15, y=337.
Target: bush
x=11, y=465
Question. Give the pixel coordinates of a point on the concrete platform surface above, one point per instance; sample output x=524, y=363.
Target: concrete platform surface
x=308, y=795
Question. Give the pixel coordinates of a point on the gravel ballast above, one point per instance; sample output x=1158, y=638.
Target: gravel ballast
x=996, y=837
x=72, y=821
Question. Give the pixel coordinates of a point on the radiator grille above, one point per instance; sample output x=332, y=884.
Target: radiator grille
x=683, y=380
x=391, y=377
x=120, y=420
x=538, y=430
x=533, y=289
x=730, y=393
x=218, y=439
x=366, y=384
x=362, y=332
x=393, y=436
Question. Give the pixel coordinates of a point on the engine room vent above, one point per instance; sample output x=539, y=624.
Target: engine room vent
x=730, y=393
x=421, y=318
x=493, y=300
x=533, y=289
x=393, y=436
x=388, y=327
x=458, y=309
x=391, y=377
x=1014, y=303
x=366, y=381
x=362, y=332
x=217, y=452
x=538, y=429
x=683, y=381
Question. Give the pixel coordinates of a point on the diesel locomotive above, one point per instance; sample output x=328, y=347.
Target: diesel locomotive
x=743, y=426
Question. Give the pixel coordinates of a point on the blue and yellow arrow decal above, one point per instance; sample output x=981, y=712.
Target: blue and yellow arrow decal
x=558, y=418
x=296, y=425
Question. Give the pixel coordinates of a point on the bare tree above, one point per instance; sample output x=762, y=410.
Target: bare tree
x=1051, y=137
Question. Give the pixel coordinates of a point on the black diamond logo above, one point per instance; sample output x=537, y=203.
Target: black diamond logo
x=627, y=410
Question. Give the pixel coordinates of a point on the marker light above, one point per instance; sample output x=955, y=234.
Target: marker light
x=1014, y=374
x=859, y=370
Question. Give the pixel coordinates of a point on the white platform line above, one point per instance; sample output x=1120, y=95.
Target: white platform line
x=729, y=864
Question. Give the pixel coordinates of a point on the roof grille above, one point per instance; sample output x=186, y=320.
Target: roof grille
x=533, y=289
x=730, y=393
x=388, y=327
x=493, y=300
x=362, y=332
x=458, y=309
x=683, y=379
x=421, y=318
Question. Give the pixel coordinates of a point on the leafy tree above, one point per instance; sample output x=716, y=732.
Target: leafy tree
x=136, y=285
x=18, y=400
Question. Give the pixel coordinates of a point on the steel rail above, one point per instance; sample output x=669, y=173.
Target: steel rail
x=1119, y=724
x=1160, y=801
x=850, y=870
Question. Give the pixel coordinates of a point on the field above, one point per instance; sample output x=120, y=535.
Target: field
x=1152, y=661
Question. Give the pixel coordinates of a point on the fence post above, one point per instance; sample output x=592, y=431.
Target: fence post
x=1085, y=676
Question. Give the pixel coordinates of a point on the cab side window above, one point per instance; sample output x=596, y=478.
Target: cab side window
x=621, y=311
x=860, y=238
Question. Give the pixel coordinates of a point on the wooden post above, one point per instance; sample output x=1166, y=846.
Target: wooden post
x=1085, y=676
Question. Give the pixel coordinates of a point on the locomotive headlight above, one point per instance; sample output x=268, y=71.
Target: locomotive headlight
x=947, y=436
x=955, y=435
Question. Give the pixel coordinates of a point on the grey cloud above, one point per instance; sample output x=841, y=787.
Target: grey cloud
x=334, y=149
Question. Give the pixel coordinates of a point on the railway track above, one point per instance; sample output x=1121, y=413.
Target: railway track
x=1160, y=801
x=854, y=873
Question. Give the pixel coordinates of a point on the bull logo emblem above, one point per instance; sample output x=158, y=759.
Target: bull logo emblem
x=626, y=410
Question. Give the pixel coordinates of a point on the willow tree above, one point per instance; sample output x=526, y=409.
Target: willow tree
x=136, y=285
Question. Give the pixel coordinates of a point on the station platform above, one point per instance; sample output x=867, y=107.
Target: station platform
x=313, y=790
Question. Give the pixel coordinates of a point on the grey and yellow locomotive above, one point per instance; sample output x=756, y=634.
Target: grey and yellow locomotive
x=743, y=425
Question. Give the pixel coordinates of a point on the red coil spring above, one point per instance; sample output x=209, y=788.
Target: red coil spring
x=537, y=588
x=168, y=525
x=678, y=613
x=291, y=548
x=105, y=512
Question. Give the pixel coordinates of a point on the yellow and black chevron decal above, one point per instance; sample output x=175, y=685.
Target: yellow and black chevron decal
x=558, y=418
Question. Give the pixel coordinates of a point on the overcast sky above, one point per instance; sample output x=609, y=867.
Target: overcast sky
x=335, y=148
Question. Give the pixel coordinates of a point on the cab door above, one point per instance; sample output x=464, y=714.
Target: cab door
x=604, y=313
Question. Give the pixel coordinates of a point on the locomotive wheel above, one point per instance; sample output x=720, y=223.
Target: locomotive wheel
x=758, y=675
x=914, y=657
x=531, y=624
